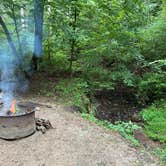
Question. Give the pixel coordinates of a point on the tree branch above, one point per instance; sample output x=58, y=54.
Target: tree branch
x=11, y=44
x=2, y=23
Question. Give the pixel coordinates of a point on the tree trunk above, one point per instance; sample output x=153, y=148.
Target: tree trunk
x=73, y=41
x=16, y=29
x=13, y=48
x=11, y=44
x=38, y=48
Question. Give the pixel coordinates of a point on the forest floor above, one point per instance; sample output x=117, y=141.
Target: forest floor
x=73, y=141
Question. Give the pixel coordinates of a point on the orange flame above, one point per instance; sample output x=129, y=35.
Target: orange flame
x=13, y=106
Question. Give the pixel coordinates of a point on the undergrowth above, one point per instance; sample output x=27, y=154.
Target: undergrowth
x=155, y=121
x=155, y=124
x=74, y=92
x=161, y=152
x=126, y=129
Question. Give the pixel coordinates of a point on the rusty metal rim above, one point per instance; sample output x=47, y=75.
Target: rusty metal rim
x=19, y=115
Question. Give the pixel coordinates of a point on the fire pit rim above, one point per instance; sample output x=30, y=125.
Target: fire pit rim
x=17, y=126
x=18, y=115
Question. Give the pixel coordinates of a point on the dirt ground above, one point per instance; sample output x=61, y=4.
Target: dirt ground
x=73, y=141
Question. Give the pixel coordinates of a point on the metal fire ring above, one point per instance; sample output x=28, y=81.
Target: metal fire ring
x=17, y=126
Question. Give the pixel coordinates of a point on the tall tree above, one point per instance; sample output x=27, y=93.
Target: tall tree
x=38, y=18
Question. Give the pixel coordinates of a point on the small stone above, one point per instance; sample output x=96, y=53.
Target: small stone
x=43, y=125
x=39, y=122
x=38, y=128
x=48, y=125
x=37, y=108
x=43, y=129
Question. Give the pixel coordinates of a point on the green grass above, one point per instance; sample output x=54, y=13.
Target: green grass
x=161, y=152
x=155, y=125
x=155, y=121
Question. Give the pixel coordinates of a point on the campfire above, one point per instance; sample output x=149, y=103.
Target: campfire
x=19, y=121
x=13, y=107
x=12, y=110
x=16, y=66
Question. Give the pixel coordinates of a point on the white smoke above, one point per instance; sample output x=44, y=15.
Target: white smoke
x=12, y=78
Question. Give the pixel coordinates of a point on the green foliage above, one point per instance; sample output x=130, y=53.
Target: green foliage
x=74, y=92
x=56, y=62
x=104, y=43
x=154, y=6
x=163, y=154
x=126, y=129
x=153, y=85
x=153, y=37
x=98, y=78
x=155, y=121
x=101, y=41
x=160, y=152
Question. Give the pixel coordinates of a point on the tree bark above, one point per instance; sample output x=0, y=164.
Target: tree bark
x=38, y=48
x=12, y=46
x=73, y=41
x=16, y=30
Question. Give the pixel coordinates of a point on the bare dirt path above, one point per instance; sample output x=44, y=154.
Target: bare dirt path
x=73, y=142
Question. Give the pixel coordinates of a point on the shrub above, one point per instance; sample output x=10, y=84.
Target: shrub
x=74, y=92
x=153, y=85
x=155, y=121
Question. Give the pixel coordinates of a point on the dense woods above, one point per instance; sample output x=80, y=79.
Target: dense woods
x=92, y=48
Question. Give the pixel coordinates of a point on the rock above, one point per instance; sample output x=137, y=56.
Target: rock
x=38, y=128
x=47, y=124
x=39, y=122
x=43, y=129
x=43, y=125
